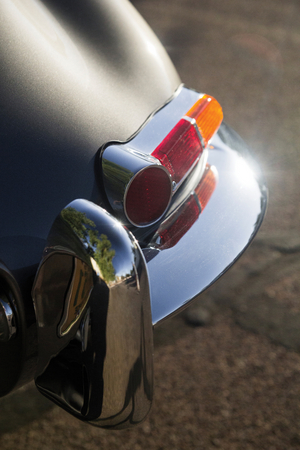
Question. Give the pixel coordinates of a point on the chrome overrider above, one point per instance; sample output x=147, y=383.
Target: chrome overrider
x=92, y=302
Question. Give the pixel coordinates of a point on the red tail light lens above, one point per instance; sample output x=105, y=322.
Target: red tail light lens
x=208, y=115
x=179, y=150
x=148, y=195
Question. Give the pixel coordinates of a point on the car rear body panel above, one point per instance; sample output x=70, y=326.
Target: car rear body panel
x=75, y=77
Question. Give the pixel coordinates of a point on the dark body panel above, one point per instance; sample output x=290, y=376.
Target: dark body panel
x=73, y=75
x=62, y=96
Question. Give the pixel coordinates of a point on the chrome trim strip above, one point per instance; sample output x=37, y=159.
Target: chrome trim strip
x=156, y=129
x=193, y=122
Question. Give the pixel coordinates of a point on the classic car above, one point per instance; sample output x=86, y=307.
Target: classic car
x=124, y=195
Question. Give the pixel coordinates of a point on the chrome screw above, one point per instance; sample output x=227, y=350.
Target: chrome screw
x=7, y=320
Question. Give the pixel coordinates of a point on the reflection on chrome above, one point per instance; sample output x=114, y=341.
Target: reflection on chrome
x=98, y=247
x=92, y=303
x=243, y=171
x=180, y=221
x=77, y=296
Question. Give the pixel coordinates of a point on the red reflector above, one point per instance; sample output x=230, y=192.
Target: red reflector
x=148, y=195
x=208, y=115
x=179, y=150
x=207, y=185
x=180, y=224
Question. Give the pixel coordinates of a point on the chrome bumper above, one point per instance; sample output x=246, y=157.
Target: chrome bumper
x=220, y=235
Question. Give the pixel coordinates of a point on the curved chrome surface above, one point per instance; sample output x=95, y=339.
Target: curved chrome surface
x=219, y=234
x=92, y=302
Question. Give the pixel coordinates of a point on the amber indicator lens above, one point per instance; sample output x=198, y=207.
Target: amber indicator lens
x=148, y=195
x=208, y=115
x=180, y=149
x=207, y=185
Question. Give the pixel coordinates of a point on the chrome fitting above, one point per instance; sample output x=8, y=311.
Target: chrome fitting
x=8, y=327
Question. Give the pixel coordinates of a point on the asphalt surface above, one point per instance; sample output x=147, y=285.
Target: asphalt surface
x=227, y=372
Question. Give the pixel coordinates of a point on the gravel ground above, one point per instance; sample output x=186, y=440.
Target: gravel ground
x=215, y=387
x=234, y=382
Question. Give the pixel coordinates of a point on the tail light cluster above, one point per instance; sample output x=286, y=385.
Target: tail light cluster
x=140, y=183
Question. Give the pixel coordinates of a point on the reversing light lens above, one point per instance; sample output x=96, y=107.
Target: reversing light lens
x=208, y=115
x=179, y=150
x=148, y=195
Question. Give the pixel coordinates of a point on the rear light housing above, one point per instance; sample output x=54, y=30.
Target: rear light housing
x=141, y=176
